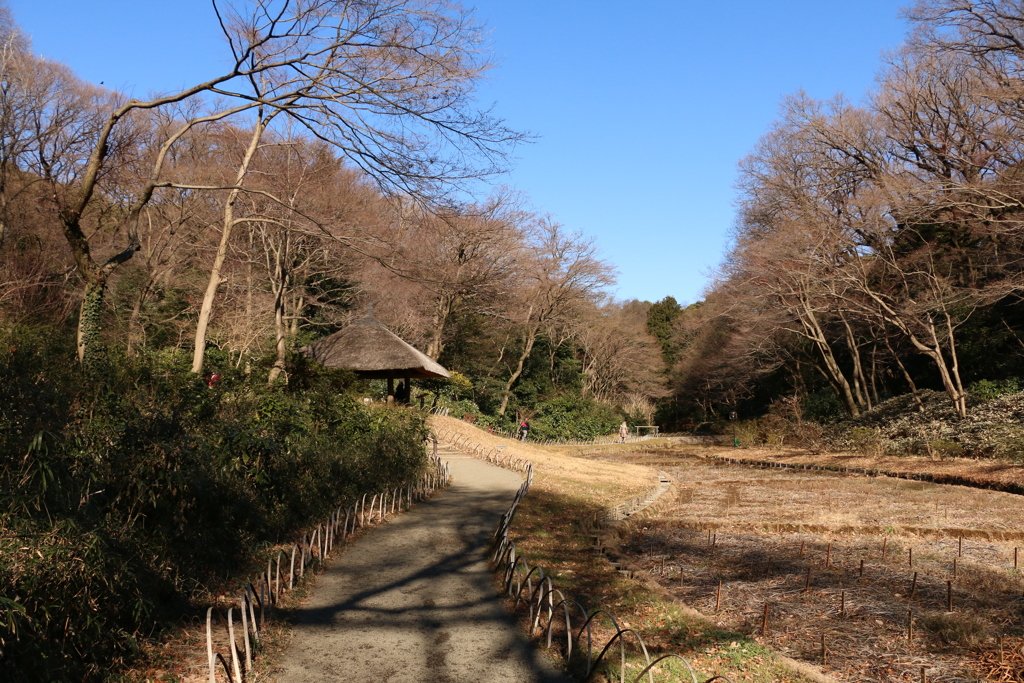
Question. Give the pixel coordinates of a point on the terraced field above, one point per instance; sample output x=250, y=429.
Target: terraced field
x=867, y=566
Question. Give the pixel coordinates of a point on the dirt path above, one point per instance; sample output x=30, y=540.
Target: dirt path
x=414, y=600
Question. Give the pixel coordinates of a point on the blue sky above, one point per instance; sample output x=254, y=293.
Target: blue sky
x=641, y=111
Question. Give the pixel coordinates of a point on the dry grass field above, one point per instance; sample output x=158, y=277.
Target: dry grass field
x=571, y=485
x=835, y=556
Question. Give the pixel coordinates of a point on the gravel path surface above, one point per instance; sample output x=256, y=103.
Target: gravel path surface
x=413, y=601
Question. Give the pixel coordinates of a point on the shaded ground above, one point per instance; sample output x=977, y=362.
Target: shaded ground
x=414, y=600
x=551, y=530
x=757, y=533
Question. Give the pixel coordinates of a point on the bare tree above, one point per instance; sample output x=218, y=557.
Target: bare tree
x=463, y=256
x=560, y=273
x=620, y=358
x=388, y=84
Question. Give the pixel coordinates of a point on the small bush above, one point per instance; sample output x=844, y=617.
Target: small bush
x=823, y=406
x=774, y=431
x=955, y=628
x=867, y=441
x=573, y=418
x=988, y=389
x=941, y=449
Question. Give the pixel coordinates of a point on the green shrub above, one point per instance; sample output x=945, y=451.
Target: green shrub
x=822, y=405
x=942, y=448
x=867, y=440
x=124, y=494
x=573, y=418
x=988, y=389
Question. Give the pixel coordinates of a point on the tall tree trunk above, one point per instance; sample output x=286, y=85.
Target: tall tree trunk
x=906, y=376
x=280, y=336
x=205, y=312
x=296, y=312
x=531, y=337
x=280, y=286
x=89, y=320
x=442, y=311
x=136, y=331
x=860, y=383
x=832, y=371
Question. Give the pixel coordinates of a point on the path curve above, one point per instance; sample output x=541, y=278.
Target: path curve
x=414, y=601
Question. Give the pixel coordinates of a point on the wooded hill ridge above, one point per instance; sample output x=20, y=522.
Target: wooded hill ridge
x=147, y=245
x=327, y=168
x=877, y=248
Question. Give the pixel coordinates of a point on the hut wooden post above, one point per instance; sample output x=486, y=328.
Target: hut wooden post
x=391, y=391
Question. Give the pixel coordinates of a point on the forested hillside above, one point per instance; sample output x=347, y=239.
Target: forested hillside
x=163, y=258
x=877, y=248
x=237, y=220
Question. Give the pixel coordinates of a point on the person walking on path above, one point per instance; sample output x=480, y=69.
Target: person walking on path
x=524, y=430
x=414, y=600
x=623, y=431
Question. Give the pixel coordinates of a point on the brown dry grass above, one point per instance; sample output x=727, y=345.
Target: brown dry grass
x=551, y=530
x=556, y=469
x=769, y=526
x=783, y=499
x=978, y=471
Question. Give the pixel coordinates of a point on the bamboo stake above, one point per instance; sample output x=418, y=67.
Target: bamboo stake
x=828, y=556
x=250, y=593
x=913, y=586
x=764, y=620
x=910, y=557
x=245, y=636
x=861, y=575
x=949, y=596
x=212, y=660
x=234, y=646
x=291, y=572
x=824, y=650
x=960, y=547
x=885, y=542
x=718, y=597
x=802, y=544
x=807, y=584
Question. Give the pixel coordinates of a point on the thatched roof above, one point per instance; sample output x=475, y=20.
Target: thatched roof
x=374, y=352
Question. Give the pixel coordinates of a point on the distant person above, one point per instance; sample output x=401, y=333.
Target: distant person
x=524, y=430
x=623, y=431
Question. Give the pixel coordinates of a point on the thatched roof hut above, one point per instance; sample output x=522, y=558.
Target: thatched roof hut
x=374, y=352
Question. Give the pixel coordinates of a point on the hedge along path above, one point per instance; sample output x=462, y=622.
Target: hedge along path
x=233, y=637
x=415, y=601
